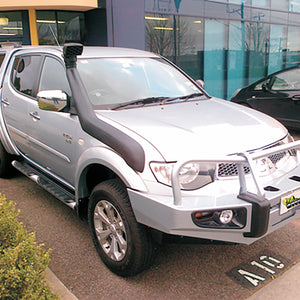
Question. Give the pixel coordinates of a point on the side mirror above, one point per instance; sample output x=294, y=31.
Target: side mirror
x=200, y=82
x=52, y=100
x=265, y=86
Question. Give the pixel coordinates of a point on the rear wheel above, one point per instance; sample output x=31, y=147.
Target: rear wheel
x=5, y=163
x=123, y=244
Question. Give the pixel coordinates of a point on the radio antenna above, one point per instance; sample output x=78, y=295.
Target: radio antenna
x=54, y=35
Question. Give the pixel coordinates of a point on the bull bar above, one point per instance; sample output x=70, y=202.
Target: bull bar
x=240, y=159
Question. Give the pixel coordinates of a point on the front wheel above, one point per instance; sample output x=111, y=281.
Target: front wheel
x=124, y=245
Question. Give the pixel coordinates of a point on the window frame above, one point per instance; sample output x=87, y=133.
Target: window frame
x=36, y=77
x=45, y=56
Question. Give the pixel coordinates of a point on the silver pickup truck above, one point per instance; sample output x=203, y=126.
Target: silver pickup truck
x=137, y=147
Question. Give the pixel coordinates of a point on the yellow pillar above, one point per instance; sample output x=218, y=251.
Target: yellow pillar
x=33, y=27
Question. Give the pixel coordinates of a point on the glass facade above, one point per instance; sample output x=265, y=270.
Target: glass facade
x=54, y=27
x=227, y=43
x=11, y=28
x=59, y=27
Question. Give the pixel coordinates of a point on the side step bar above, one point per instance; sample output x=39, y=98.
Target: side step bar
x=46, y=183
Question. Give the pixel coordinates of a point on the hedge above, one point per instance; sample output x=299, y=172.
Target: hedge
x=22, y=260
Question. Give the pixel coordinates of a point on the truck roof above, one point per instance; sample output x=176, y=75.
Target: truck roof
x=88, y=51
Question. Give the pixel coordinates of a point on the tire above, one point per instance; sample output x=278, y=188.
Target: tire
x=6, y=169
x=124, y=245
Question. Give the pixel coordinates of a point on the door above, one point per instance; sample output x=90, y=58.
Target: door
x=53, y=135
x=279, y=96
x=18, y=90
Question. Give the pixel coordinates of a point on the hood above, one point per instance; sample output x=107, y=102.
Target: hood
x=196, y=128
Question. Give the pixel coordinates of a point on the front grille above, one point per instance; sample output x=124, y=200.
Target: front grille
x=275, y=158
x=231, y=169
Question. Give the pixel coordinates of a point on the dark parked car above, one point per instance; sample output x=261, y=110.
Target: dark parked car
x=277, y=95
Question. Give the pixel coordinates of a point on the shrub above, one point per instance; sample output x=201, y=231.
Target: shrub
x=22, y=260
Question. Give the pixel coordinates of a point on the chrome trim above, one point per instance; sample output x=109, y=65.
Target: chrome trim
x=49, y=149
x=42, y=145
x=52, y=100
x=35, y=115
x=17, y=131
x=5, y=102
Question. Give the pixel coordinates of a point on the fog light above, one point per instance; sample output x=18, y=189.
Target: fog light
x=222, y=219
x=226, y=216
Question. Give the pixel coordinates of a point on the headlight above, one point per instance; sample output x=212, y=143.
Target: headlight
x=188, y=173
x=162, y=172
x=191, y=175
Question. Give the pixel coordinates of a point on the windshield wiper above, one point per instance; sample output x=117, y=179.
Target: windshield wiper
x=161, y=99
x=183, y=98
x=141, y=102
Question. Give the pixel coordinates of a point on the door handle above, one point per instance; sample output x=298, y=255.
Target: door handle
x=34, y=115
x=5, y=102
x=296, y=98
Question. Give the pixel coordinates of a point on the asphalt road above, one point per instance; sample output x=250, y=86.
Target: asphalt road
x=180, y=271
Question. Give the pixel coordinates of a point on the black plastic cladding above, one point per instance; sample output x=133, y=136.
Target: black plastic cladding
x=72, y=50
x=131, y=151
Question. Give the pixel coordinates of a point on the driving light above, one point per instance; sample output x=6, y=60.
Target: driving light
x=223, y=219
x=226, y=216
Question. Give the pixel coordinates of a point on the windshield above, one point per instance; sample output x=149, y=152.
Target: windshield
x=114, y=81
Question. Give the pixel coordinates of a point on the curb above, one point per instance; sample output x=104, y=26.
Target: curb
x=283, y=287
x=57, y=287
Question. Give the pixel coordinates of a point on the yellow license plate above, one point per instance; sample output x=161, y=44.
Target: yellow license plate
x=289, y=201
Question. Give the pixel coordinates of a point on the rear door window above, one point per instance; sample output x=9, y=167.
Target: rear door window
x=25, y=74
x=287, y=81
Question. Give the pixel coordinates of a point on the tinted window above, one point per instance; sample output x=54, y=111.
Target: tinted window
x=26, y=70
x=110, y=81
x=54, y=77
x=289, y=80
x=259, y=86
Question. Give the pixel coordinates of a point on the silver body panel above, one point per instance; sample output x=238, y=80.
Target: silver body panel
x=191, y=129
